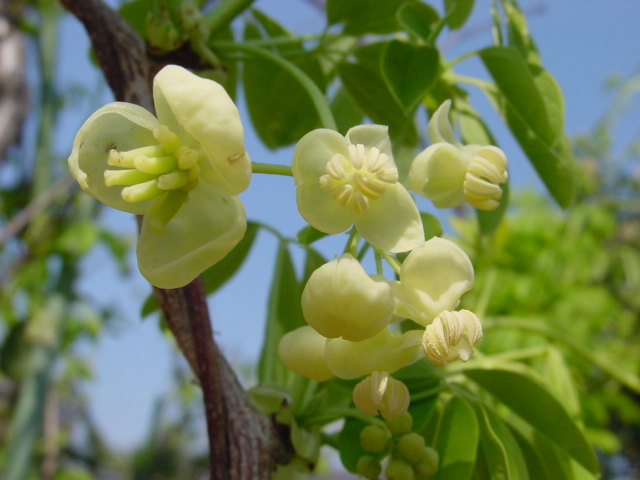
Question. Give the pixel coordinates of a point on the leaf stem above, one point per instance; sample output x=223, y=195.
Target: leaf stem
x=271, y=169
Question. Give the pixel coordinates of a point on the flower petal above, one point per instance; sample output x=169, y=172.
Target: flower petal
x=385, y=351
x=371, y=136
x=205, y=228
x=392, y=222
x=438, y=174
x=200, y=110
x=118, y=125
x=321, y=211
x=341, y=300
x=313, y=152
x=434, y=277
x=439, y=128
x=302, y=352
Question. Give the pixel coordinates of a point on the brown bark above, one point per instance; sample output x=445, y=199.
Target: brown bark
x=243, y=443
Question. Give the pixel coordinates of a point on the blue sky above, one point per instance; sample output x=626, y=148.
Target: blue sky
x=581, y=42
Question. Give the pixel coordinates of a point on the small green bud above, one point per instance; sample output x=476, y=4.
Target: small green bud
x=399, y=470
x=368, y=467
x=401, y=424
x=374, y=438
x=411, y=446
x=428, y=464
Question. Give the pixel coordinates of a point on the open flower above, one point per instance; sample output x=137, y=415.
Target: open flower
x=302, y=352
x=433, y=277
x=341, y=300
x=181, y=170
x=353, y=180
x=448, y=173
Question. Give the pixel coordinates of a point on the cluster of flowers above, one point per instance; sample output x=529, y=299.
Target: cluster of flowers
x=351, y=315
x=184, y=168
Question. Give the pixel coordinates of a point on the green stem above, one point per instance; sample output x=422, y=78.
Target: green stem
x=429, y=393
x=271, y=169
x=393, y=261
x=626, y=378
x=352, y=243
x=315, y=94
x=223, y=13
x=338, y=413
x=454, y=77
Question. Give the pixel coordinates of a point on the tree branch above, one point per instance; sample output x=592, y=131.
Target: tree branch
x=243, y=443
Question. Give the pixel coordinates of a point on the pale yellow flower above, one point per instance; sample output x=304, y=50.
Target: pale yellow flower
x=353, y=180
x=449, y=173
x=433, y=277
x=302, y=352
x=386, y=351
x=382, y=393
x=452, y=336
x=181, y=170
x=341, y=300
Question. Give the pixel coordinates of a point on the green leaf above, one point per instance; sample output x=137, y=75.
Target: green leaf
x=283, y=315
x=518, y=32
x=307, y=235
x=531, y=103
x=458, y=11
x=489, y=220
x=409, y=71
x=364, y=16
x=417, y=18
x=558, y=377
x=345, y=111
x=502, y=456
x=369, y=91
x=544, y=412
x=515, y=81
x=431, y=225
x=279, y=119
x=349, y=443
x=456, y=440
x=226, y=268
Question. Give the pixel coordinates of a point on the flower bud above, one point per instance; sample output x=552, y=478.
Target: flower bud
x=374, y=438
x=382, y=393
x=452, y=336
x=411, y=446
x=401, y=424
x=399, y=470
x=428, y=464
x=368, y=467
x=341, y=300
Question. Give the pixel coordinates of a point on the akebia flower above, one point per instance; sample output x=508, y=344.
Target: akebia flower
x=302, y=351
x=341, y=300
x=433, y=277
x=353, y=180
x=181, y=170
x=452, y=336
x=449, y=173
x=380, y=392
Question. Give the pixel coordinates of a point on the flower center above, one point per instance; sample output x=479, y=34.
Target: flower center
x=168, y=170
x=356, y=180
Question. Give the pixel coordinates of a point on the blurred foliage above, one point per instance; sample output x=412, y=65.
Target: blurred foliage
x=557, y=290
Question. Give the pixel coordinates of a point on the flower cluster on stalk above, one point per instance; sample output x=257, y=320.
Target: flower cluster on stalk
x=352, y=316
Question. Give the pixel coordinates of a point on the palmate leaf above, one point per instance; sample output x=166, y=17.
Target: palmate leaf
x=534, y=404
x=364, y=16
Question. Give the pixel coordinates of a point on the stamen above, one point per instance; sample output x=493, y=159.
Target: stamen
x=187, y=157
x=125, y=177
x=141, y=191
x=165, y=137
x=173, y=180
x=128, y=157
x=156, y=165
